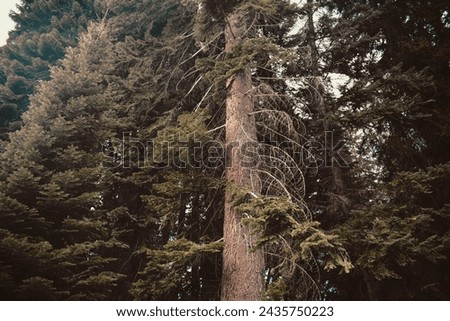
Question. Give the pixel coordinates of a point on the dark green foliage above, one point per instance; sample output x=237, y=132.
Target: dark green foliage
x=112, y=186
x=401, y=240
x=44, y=29
x=184, y=199
x=20, y=218
x=59, y=245
x=168, y=273
x=278, y=219
x=396, y=102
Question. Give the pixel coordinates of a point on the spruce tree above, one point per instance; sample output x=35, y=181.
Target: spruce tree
x=277, y=212
x=56, y=180
x=42, y=32
x=396, y=105
x=104, y=216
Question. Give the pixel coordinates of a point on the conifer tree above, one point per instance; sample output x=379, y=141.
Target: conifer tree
x=243, y=266
x=396, y=104
x=173, y=86
x=328, y=188
x=264, y=204
x=148, y=223
x=43, y=30
x=56, y=181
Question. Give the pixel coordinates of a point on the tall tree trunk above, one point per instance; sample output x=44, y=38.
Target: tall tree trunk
x=243, y=265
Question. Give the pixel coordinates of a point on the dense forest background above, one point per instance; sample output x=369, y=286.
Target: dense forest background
x=117, y=180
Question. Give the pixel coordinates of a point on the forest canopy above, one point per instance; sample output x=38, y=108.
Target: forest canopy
x=225, y=150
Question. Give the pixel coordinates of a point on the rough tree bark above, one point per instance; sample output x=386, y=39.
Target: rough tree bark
x=243, y=265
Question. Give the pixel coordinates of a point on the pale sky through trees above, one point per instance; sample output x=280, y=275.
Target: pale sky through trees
x=6, y=24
